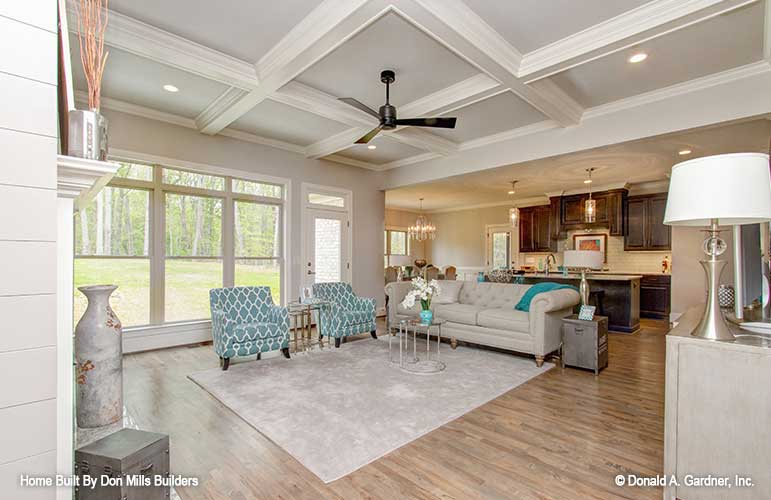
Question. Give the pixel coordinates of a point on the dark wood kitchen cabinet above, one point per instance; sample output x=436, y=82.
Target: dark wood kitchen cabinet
x=535, y=229
x=645, y=229
x=655, y=296
x=609, y=211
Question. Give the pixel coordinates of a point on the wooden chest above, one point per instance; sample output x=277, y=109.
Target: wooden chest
x=585, y=343
x=125, y=466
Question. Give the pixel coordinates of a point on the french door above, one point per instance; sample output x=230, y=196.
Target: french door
x=326, y=246
x=502, y=246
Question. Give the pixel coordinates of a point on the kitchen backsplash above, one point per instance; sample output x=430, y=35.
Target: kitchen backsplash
x=618, y=259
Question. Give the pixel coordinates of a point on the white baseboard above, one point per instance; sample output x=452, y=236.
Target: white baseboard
x=160, y=337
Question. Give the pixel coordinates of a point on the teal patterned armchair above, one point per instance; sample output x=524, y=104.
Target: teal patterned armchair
x=245, y=321
x=347, y=314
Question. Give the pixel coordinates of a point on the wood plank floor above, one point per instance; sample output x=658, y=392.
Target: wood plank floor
x=563, y=435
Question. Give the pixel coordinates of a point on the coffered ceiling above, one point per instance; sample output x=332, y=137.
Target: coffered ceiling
x=271, y=72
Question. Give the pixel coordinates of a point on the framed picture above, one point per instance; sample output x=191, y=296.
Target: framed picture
x=586, y=313
x=592, y=241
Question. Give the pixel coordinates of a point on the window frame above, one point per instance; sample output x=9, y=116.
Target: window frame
x=387, y=235
x=157, y=191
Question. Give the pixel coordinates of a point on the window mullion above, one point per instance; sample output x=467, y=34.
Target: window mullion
x=157, y=249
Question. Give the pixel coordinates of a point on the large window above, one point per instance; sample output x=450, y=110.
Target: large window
x=166, y=236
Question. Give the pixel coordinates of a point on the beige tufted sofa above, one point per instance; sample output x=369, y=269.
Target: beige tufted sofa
x=483, y=313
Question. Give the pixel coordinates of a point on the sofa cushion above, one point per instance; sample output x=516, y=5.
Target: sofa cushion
x=449, y=292
x=412, y=311
x=491, y=295
x=504, y=319
x=458, y=313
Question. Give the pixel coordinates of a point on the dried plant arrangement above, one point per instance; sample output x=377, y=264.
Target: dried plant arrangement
x=92, y=23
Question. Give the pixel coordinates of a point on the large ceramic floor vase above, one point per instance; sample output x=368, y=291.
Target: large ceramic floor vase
x=99, y=360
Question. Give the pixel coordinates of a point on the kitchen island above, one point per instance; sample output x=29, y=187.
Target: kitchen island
x=621, y=300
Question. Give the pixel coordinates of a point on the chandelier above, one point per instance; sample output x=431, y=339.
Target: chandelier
x=423, y=229
x=590, y=208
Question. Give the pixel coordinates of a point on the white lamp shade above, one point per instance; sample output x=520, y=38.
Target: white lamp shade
x=587, y=259
x=733, y=188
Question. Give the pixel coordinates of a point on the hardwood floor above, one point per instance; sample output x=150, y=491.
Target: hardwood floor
x=563, y=435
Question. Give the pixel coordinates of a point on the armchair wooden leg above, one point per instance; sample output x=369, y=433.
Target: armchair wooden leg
x=337, y=341
x=225, y=364
x=259, y=356
x=539, y=361
x=374, y=334
x=221, y=361
x=454, y=343
x=285, y=351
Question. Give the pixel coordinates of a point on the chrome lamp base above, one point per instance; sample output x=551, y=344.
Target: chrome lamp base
x=583, y=289
x=713, y=325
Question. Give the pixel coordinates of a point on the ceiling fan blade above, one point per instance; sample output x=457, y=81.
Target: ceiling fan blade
x=428, y=122
x=370, y=135
x=360, y=105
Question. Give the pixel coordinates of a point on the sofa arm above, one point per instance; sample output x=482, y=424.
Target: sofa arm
x=396, y=292
x=546, y=312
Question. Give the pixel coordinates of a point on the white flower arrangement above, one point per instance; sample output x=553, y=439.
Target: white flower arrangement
x=421, y=290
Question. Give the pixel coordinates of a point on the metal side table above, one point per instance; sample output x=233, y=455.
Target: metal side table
x=419, y=362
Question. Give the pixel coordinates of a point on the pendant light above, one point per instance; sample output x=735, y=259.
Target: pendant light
x=590, y=208
x=513, y=211
x=423, y=229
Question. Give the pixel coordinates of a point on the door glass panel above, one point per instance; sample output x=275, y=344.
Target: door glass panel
x=326, y=199
x=328, y=249
x=500, y=250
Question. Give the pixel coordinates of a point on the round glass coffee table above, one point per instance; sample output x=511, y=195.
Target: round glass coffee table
x=411, y=359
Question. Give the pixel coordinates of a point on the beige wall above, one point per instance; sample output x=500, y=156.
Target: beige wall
x=156, y=138
x=460, y=236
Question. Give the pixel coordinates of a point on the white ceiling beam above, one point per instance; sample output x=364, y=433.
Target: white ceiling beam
x=222, y=102
x=136, y=37
x=649, y=21
x=335, y=143
x=735, y=94
x=352, y=161
x=422, y=139
x=161, y=116
x=315, y=101
x=460, y=29
x=329, y=25
x=463, y=93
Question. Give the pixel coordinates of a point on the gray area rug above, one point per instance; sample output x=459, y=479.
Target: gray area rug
x=336, y=410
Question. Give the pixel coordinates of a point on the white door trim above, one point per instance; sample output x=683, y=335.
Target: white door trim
x=305, y=189
x=513, y=243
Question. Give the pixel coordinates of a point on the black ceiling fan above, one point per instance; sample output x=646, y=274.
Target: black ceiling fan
x=387, y=113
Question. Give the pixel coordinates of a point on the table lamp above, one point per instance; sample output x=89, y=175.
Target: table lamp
x=730, y=189
x=583, y=260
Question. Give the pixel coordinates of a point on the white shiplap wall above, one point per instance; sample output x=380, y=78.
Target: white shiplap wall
x=28, y=143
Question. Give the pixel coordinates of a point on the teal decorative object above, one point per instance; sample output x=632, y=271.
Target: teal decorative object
x=426, y=315
x=546, y=286
x=480, y=277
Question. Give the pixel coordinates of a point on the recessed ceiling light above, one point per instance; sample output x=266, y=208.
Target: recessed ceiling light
x=684, y=152
x=639, y=57
x=588, y=181
x=511, y=191
x=170, y=88
x=371, y=146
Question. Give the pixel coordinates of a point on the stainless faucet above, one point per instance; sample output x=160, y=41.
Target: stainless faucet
x=550, y=258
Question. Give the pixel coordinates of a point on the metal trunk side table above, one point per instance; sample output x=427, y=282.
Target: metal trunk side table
x=420, y=362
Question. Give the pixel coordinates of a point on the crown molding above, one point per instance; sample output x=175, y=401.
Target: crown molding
x=351, y=161
x=309, y=99
x=422, y=139
x=411, y=160
x=153, y=43
x=646, y=22
x=695, y=85
x=152, y=114
x=650, y=187
x=215, y=108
